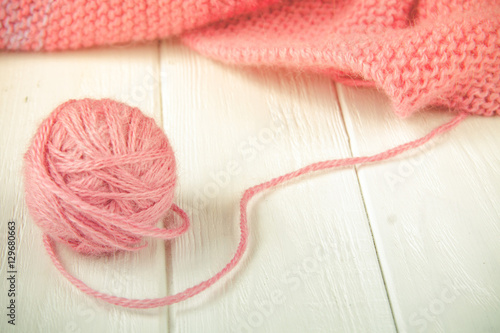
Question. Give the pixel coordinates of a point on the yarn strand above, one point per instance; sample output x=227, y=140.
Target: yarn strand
x=244, y=232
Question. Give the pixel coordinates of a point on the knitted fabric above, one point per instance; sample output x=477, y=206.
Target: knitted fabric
x=73, y=24
x=420, y=53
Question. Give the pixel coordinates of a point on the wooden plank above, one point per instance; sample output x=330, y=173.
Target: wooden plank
x=311, y=265
x=31, y=86
x=434, y=214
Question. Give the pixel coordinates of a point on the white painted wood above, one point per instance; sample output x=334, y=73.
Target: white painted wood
x=311, y=265
x=434, y=213
x=31, y=86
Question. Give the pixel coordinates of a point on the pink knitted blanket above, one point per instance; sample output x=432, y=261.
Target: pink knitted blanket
x=421, y=53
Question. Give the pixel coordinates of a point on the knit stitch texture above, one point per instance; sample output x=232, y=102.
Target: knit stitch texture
x=421, y=53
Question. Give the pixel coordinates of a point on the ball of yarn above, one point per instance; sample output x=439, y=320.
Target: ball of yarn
x=99, y=175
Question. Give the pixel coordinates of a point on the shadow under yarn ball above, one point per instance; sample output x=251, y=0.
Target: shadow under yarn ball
x=99, y=175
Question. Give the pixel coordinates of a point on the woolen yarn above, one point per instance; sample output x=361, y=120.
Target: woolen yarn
x=99, y=176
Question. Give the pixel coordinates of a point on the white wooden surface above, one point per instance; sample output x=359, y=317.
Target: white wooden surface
x=435, y=215
x=409, y=245
x=213, y=114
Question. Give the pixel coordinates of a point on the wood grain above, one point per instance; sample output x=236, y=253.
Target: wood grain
x=311, y=265
x=31, y=86
x=434, y=213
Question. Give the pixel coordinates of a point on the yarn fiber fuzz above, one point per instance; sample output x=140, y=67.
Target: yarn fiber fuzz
x=99, y=175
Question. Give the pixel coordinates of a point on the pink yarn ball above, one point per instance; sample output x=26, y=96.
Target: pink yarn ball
x=99, y=175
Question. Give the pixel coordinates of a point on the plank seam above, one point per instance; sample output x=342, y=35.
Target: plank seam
x=340, y=102
x=168, y=248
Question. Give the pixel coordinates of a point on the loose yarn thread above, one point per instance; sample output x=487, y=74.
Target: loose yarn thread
x=100, y=175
